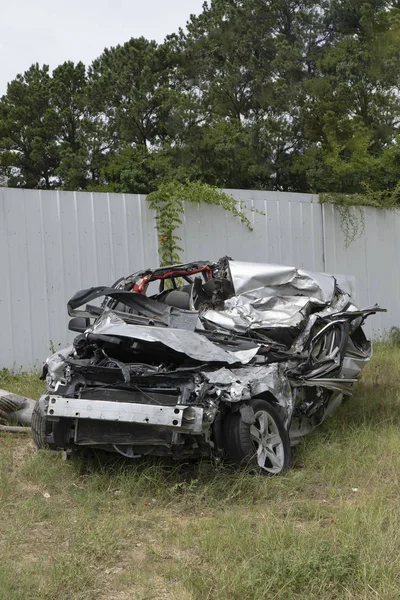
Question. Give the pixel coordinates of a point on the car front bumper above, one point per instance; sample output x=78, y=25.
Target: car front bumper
x=181, y=418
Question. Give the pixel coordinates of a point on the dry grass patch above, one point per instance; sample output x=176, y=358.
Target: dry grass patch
x=101, y=528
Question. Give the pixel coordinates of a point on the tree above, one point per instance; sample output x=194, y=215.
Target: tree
x=68, y=88
x=29, y=154
x=129, y=87
x=350, y=111
x=269, y=94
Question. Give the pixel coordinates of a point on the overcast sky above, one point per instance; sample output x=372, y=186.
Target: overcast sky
x=53, y=31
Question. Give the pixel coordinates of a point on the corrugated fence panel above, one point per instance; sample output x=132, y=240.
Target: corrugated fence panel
x=373, y=258
x=287, y=229
x=55, y=243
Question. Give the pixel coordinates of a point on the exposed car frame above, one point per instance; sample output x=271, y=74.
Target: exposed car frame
x=231, y=358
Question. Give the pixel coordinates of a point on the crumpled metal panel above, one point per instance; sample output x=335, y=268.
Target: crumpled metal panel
x=187, y=342
x=244, y=383
x=56, y=362
x=347, y=284
x=270, y=296
x=240, y=314
x=15, y=408
x=278, y=280
x=353, y=365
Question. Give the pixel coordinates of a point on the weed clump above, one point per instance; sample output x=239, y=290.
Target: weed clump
x=394, y=336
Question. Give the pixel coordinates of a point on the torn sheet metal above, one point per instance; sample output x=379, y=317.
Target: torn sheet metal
x=347, y=284
x=340, y=385
x=272, y=296
x=56, y=362
x=15, y=408
x=278, y=280
x=241, y=314
x=352, y=365
x=192, y=344
x=248, y=382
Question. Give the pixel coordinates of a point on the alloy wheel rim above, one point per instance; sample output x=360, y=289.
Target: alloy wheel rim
x=268, y=442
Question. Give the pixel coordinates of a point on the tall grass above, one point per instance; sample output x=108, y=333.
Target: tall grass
x=97, y=528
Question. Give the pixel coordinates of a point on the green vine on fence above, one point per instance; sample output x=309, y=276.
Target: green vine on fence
x=168, y=203
x=351, y=208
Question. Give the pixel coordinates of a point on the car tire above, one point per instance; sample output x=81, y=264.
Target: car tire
x=264, y=444
x=40, y=428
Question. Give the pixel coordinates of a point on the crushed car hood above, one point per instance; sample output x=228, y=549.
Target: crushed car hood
x=190, y=343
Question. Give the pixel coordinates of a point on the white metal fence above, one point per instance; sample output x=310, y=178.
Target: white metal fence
x=54, y=243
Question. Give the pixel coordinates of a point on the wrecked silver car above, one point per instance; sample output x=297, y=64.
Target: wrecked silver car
x=231, y=358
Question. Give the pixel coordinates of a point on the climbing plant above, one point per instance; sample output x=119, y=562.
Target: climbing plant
x=351, y=208
x=168, y=203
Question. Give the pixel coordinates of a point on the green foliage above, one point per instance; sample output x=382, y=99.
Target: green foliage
x=100, y=527
x=300, y=97
x=167, y=201
x=129, y=85
x=28, y=125
x=25, y=384
x=394, y=336
x=351, y=208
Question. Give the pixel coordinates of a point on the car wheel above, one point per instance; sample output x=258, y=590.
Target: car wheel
x=264, y=443
x=40, y=428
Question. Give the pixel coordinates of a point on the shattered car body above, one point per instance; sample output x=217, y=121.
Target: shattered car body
x=231, y=358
